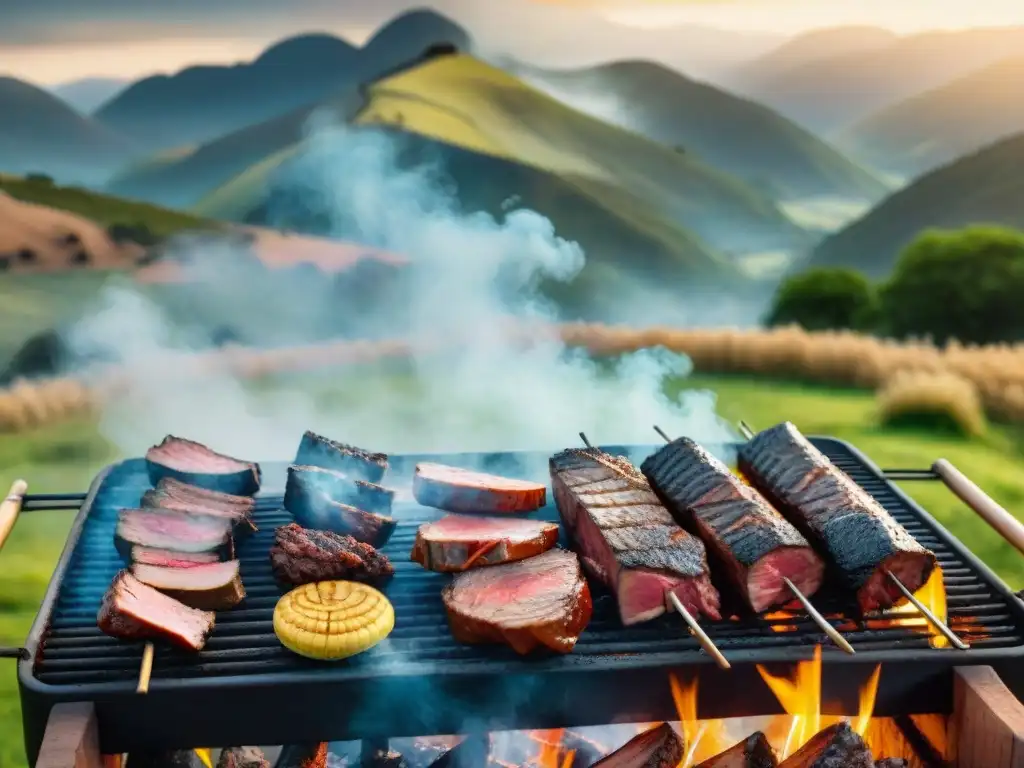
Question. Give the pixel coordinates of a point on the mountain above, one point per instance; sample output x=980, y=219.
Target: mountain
x=41, y=134
x=729, y=133
x=199, y=104
x=925, y=131
x=87, y=94
x=829, y=93
x=986, y=187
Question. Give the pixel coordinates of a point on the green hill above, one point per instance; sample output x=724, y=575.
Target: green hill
x=984, y=187
x=944, y=123
x=729, y=133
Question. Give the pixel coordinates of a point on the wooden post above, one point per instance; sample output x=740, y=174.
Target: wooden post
x=987, y=727
x=71, y=739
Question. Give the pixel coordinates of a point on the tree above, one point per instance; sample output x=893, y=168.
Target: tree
x=965, y=285
x=825, y=298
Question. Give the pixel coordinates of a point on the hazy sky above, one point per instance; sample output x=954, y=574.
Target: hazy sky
x=49, y=41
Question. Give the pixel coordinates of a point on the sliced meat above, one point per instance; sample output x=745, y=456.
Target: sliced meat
x=307, y=487
x=838, y=746
x=461, y=490
x=174, y=494
x=347, y=520
x=457, y=542
x=210, y=587
x=318, y=451
x=659, y=747
x=243, y=757
x=627, y=539
x=301, y=556
x=170, y=559
x=542, y=601
x=174, y=531
x=135, y=611
x=195, y=464
x=758, y=546
x=752, y=752
x=856, y=532
x=176, y=489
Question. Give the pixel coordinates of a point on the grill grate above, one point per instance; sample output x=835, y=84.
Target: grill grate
x=243, y=659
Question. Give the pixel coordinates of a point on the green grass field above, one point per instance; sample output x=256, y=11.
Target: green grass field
x=65, y=458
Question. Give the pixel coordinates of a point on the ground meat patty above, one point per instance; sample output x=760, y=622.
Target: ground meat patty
x=301, y=556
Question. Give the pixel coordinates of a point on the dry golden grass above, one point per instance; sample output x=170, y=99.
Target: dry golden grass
x=938, y=400
x=992, y=376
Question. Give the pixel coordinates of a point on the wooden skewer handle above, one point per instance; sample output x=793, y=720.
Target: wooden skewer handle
x=10, y=508
x=1009, y=527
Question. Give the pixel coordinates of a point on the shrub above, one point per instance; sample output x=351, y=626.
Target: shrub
x=825, y=298
x=935, y=401
x=39, y=178
x=965, y=285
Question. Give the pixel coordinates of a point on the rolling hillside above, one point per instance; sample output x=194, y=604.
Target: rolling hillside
x=984, y=187
x=830, y=93
x=40, y=133
x=729, y=133
x=939, y=125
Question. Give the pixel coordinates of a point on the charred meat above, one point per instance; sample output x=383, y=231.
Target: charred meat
x=454, y=489
x=757, y=545
x=752, y=752
x=132, y=610
x=542, y=601
x=243, y=757
x=210, y=587
x=659, y=747
x=458, y=542
x=346, y=520
x=627, y=539
x=195, y=464
x=838, y=746
x=301, y=556
x=307, y=487
x=182, y=497
x=860, y=536
x=174, y=531
x=318, y=451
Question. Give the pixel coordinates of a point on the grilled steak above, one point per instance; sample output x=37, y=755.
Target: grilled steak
x=838, y=746
x=195, y=464
x=210, y=587
x=458, y=542
x=758, y=546
x=243, y=757
x=318, y=451
x=659, y=747
x=752, y=752
x=461, y=490
x=306, y=487
x=175, y=531
x=543, y=600
x=135, y=611
x=170, y=559
x=182, y=497
x=627, y=539
x=860, y=536
x=301, y=556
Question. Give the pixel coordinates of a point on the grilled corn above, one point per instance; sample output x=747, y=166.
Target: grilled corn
x=332, y=620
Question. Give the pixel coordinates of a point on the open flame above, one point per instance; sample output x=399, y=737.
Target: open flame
x=703, y=738
x=933, y=596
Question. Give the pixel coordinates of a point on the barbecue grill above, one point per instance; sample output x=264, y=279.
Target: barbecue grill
x=245, y=688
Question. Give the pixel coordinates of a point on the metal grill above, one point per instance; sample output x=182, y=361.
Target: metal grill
x=244, y=688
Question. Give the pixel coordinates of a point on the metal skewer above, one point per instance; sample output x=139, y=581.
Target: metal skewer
x=695, y=629
x=818, y=619
x=930, y=617
x=146, y=669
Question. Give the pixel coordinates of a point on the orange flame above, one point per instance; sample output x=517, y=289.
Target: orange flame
x=933, y=595
x=550, y=747
x=866, y=707
x=704, y=739
x=801, y=698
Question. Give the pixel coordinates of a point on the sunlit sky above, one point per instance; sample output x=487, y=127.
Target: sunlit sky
x=51, y=41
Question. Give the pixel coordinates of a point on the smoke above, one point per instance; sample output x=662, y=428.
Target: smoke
x=468, y=386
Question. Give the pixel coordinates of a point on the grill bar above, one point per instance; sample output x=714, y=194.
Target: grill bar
x=245, y=688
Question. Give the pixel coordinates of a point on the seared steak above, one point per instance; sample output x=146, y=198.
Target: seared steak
x=758, y=546
x=457, y=542
x=627, y=539
x=461, y=490
x=838, y=746
x=301, y=556
x=169, y=559
x=175, y=531
x=210, y=587
x=306, y=485
x=860, y=536
x=318, y=451
x=752, y=752
x=195, y=464
x=171, y=493
x=543, y=600
x=659, y=747
x=135, y=611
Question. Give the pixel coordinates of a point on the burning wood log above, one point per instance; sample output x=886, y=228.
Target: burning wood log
x=311, y=755
x=471, y=752
x=838, y=746
x=753, y=752
x=242, y=757
x=659, y=747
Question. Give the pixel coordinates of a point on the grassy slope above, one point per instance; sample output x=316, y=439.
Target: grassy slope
x=65, y=458
x=986, y=186
x=943, y=123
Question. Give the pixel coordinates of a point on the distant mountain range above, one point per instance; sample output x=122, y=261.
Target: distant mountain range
x=87, y=94
x=930, y=129
x=984, y=187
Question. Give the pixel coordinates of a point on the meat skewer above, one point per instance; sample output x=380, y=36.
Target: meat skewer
x=780, y=538
x=864, y=576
